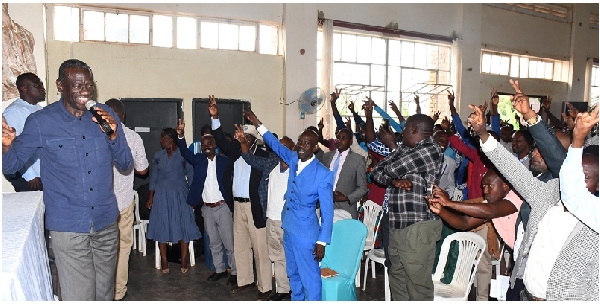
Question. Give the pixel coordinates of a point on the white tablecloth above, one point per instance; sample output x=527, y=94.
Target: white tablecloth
x=25, y=269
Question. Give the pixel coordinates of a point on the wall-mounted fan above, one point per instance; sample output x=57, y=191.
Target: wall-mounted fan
x=311, y=101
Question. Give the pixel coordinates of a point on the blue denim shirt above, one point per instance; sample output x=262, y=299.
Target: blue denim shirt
x=76, y=166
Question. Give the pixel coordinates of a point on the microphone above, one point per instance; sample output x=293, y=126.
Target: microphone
x=91, y=105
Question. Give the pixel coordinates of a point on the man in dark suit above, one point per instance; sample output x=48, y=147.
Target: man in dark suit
x=349, y=173
x=248, y=191
x=304, y=239
x=208, y=190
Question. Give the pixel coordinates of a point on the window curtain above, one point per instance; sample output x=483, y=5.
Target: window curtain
x=456, y=65
x=327, y=78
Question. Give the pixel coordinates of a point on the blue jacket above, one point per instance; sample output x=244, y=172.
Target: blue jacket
x=314, y=184
x=200, y=163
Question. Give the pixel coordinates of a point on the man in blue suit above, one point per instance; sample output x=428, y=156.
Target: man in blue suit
x=208, y=190
x=304, y=239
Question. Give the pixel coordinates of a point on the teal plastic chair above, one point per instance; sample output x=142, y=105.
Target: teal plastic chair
x=343, y=255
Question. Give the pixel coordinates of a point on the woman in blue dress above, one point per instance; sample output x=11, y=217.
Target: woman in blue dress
x=171, y=218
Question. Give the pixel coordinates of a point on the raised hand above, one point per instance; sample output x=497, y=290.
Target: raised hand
x=477, y=121
x=520, y=101
x=8, y=134
x=239, y=134
x=180, y=127
x=450, y=96
x=436, y=116
x=403, y=184
x=546, y=104
x=351, y=107
x=569, y=122
x=583, y=124
x=394, y=107
x=368, y=107
x=212, y=107
x=252, y=117
x=321, y=125
x=483, y=106
x=495, y=97
x=335, y=95
x=573, y=112
x=445, y=123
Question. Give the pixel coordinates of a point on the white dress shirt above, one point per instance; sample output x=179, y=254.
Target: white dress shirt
x=15, y=115
x=211, y=192
x=276, y=192
x=574, y=193
x=553, y=231
x=241, y=171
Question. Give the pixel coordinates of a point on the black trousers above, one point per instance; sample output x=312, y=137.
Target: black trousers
x=384, y=230
x=514, y=294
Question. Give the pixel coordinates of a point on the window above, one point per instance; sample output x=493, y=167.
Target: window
x=387, y=69
x=269, y=39
x=66, y=23
x=522, y=67
x=115, y=25
x=139, y=29
x=229, y=36
x=186, y=33
x=162, y=31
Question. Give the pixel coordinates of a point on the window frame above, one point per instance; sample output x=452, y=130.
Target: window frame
x=519, y=60
x=199, y=19
x=407, y=108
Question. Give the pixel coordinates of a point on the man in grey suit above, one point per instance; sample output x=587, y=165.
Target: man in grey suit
x=349, y=173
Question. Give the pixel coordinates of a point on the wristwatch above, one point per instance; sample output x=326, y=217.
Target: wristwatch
x=533, y=120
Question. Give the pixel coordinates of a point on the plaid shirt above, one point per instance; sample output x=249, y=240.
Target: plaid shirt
x=422, y=165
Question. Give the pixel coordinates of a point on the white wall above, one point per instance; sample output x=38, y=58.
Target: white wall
x=123, y=71
x=30, y=16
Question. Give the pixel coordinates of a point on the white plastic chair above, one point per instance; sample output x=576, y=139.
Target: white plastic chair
x=377, y=256
x=471, y=247
x=371, y=213
x=190, y=250
x=140, y=226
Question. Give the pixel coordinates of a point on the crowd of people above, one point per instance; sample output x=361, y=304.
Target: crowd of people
x=530, y=188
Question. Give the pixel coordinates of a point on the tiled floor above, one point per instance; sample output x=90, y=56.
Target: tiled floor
x=149, y=284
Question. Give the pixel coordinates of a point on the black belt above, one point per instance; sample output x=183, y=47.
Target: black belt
x=530, y=297
x=216, y=204
x=241, y=199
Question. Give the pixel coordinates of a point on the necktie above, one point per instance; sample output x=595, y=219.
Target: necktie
x=336, y=165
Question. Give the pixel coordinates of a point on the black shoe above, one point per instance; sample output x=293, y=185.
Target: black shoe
x=232, y=281
x=217, y=276
x=280, y=296
x=237, y=289
x=262, y=296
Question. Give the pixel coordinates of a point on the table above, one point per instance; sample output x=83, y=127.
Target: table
x=25, y=269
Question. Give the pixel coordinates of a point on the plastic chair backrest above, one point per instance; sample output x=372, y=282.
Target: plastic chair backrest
x=136, y=199
x=344, y=253
x=371, y=216
x=471, y=247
